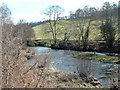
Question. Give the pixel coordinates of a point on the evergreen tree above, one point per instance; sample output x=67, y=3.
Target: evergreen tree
x=108, y=32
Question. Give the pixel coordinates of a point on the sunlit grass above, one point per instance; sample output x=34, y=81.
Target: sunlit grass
x=88, y=56
x=40, y=30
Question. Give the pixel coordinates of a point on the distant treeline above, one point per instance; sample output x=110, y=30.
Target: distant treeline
x=96, y=13
x=88, y=12
x=32, y=24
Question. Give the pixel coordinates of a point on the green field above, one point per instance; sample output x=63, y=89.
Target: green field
x=43, y=31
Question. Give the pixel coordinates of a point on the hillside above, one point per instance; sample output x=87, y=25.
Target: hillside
x=70, y=26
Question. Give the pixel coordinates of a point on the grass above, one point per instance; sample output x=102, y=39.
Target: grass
x=42, y=31
x=87, y=56
x=39, y=32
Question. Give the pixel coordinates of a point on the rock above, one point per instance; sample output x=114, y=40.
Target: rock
x=95, y=79
x=84, y=84
x=74, y=72
x=95, y=83
x=114, y=88
x=64, y=79
x=41, y=66
x=87, y=81
x=75, y=78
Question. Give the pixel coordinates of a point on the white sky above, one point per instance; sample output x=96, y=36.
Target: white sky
x=30, y=10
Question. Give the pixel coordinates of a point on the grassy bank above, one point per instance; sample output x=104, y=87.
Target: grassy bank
x=88, y=56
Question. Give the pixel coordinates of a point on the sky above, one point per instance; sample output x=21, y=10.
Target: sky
x=30, y=10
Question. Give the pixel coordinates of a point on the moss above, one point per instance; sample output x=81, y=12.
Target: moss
x=84, y=56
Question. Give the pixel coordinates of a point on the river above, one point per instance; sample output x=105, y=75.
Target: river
x=65, y=62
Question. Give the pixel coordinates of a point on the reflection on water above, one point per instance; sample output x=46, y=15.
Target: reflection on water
x=63, y=61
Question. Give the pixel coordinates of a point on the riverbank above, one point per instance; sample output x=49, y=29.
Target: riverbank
x=58, y=79
x=61, y=45
x=98, y=46
x=95, y=57
x=36, y=75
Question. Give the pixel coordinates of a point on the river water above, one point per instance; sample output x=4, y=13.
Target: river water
x=64, y=61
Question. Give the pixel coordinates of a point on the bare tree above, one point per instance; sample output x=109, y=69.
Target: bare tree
x=24, y=31
x=6, y=39
x=11, y=42
x=53, y=12
x=84, y=68
x=5, y=14
x=83, y=20
x=67, y=30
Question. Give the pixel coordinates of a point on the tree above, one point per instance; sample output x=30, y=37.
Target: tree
x=83, y=20
x=53, y=12
x=72, y=15
x=6, y=43
x=11, y=44
x=118, y=20
x=108, y=32
x=85, y=37
x=107, y=10
x=93, y=12
x=107, y=28
x=24, y=31
x=68, y=30
x=5, y=14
